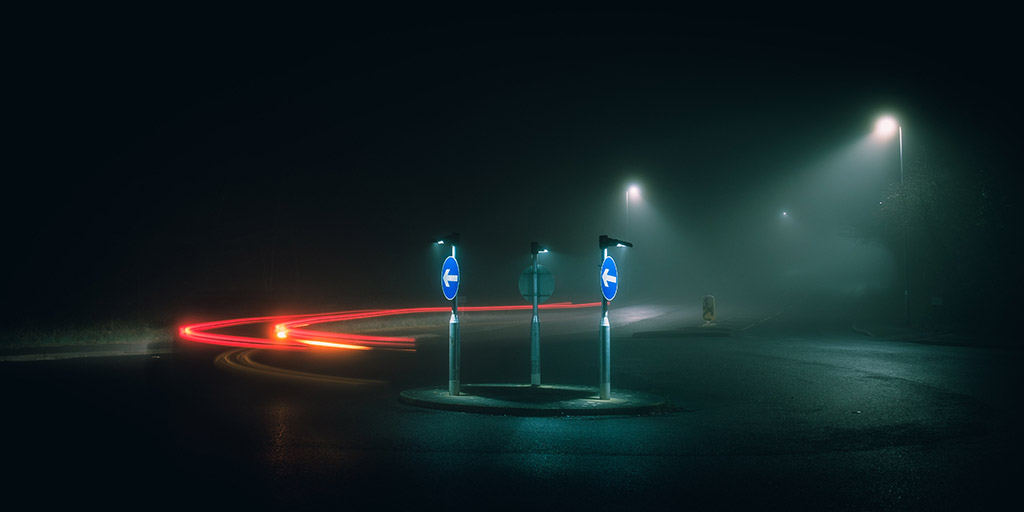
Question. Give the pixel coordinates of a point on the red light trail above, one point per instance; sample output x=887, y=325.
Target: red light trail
x=292, y=332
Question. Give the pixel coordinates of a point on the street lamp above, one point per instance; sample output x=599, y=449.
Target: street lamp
x=885, y=127
x=535, y=249
x=604, y=242
x=605, y=350
x=632, y=190
x=454, y=339
x=452, y=240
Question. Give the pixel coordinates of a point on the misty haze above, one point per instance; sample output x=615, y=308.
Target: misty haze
x=785, y=257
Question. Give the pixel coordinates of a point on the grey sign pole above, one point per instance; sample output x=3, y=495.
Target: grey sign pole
x=609, y=285
x=535, y=322
x=454, y=346
x=454, y=352
x=450, y=279
x=605, y=357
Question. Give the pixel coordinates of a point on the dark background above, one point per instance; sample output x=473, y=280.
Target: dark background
x=173, y=162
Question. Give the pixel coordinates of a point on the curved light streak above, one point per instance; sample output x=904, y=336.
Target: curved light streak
x=241, y=360
x=200, y=333
x=293, y=332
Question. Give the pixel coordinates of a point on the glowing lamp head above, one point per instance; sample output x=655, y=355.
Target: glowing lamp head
x=605, y=241
x=452, y=239
x=886, y=126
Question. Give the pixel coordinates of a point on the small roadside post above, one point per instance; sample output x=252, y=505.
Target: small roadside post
x=708, y=304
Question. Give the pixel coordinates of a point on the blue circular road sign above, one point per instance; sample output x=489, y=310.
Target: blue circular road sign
x=609, y=278
x=450, y=277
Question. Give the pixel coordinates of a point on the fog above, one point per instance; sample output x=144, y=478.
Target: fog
x=311, y=170
x=755, y=248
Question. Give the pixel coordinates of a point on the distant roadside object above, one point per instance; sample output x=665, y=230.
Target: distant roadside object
x=709, y=308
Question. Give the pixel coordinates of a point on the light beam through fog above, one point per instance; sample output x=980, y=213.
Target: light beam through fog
x=792, y=236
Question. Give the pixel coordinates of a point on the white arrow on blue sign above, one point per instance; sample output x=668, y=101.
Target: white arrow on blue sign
x=609, y=278
x=450, y=277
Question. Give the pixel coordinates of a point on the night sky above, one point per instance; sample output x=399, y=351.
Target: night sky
x=164, y=160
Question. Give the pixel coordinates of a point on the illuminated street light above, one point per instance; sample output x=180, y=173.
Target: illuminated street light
x=885, y=127
x=632, y=190
x=452, y=240
x=454, y=337
x=604, y=242
x=607, y=278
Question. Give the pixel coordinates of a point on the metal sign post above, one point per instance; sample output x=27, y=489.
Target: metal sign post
x=535, y=331
x=450, y=288
x=609, y=286
x=536, y=284
x=535, y=322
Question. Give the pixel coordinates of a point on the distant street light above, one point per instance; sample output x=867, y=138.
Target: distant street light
x=452, y=240
x=632, y=190
x=885, y=127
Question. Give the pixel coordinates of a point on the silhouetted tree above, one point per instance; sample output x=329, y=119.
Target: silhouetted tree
x=961, y=249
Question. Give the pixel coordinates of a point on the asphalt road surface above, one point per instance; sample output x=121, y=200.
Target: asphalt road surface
x=773, y=416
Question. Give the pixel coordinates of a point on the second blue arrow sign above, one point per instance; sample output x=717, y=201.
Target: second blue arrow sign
x=450, y=277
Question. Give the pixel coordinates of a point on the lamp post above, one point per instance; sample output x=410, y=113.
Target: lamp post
x=605, y=349
x=454, y=341
x=632, y=190
x=885, y=127
x=535, y=249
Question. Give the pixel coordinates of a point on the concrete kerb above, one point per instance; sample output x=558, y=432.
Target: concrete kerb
x=527, y=400
x=692, y=332
x=21, y=354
